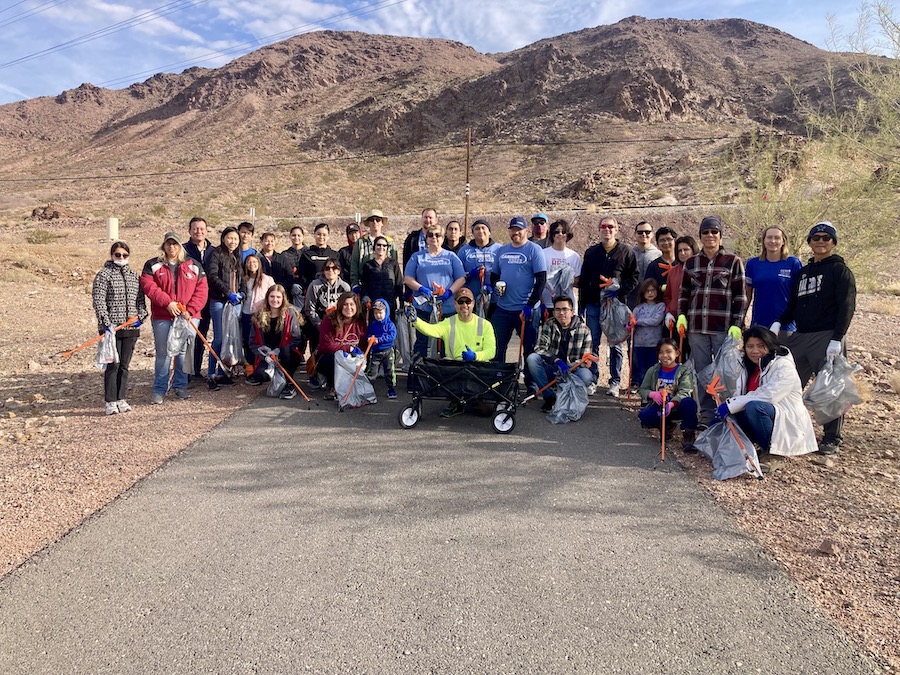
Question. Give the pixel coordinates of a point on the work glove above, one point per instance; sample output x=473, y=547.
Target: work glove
x=108, y=329
x=264, y=351
x=425, y=292
x=721, y=412
x=474, y=273
x=681, y=324
x=775, y=327
x=137, y=324
x=670, y=320
x=562, y=365
x=468, y=355
x=366, y=302
x=670, y=406
x=235, y=298
x=656, y=397
x=275, y=352
x=356, y=289
x=734, y=333
x=446, y=295
x=527, y=312
x=487, y=289
x=411, y=315
x=356, y=351
x=834, y=348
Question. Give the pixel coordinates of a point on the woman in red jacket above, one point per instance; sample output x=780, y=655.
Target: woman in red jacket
x=342, y=331
x=171, y=280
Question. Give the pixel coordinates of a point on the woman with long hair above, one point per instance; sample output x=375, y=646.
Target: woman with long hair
x=344, y=330
x=117, y=296
x=276, y=331
x=172, y=281
x=257, y=283
x=226, y=286
x=769, y=278
x=382, y=277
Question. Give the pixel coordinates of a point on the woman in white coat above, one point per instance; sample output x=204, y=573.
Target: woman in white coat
x=768, y=402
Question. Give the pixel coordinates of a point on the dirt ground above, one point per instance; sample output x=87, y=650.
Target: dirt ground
x=833, y=523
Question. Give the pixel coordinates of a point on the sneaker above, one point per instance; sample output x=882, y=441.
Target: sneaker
x=288, y=393
x=112, y=408
x=592, y=389
x=254, y=381
x=156, y=399
x=123, y=406
x=453, y=410
x=225, y=381
x=182, y=394
x=391, y=393
x=613, y=391
x=213, y=385
x=829, y=447
x=688, y=436
x=314, y=383
x=330, y=396
x=549, y=402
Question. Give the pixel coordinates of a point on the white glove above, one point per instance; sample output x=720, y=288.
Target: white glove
x=670, y=320
x=775, y=328
x=265, y=351
x=834, y=348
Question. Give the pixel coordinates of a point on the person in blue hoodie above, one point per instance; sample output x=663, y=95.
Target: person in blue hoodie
x=382, y=352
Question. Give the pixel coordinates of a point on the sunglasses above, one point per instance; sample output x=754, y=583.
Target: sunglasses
x=820, y=237
x=330, y=268
x=120, y=256
x=645, y=232
x=607, y=227
x=464, y=301
x=709, y=232
x=433, y=235
x=381, y=245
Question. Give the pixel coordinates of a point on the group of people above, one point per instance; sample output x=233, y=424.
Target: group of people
x=306, y=303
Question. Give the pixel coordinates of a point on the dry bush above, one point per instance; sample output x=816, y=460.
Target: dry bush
x=885, y=305
x=865, y=389
x=16, y=275
x=41, y=237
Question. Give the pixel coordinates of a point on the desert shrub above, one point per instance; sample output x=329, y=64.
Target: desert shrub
x=41, y=237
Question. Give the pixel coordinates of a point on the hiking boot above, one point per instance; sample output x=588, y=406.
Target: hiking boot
x=182, y=394
x=225, y=381
x=453, y=410
x=688, y=436
x=111, y=408
x=288, y=393
x=549, y=402
x=123, y=406
x=829, y=447
x=391, y=393
x=770, y=463
x=156, y=399
x=213, y=385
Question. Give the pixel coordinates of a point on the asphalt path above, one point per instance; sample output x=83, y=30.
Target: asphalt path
x=307, y=540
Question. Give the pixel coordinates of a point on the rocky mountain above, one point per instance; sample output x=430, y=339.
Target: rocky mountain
x=332, y=96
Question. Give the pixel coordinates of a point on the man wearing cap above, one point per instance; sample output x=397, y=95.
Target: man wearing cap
x=467, y=337
x=539, y=233
x=415, y=241
x=345, y=253
x=364, y=248
x=199, y=248
x=477, y=258
x=521, y=269
x=712, y=302
x=822, y=303
x=644, y=253
x=604, y=263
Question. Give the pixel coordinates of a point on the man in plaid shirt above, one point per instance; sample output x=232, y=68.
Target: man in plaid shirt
x=712, y=303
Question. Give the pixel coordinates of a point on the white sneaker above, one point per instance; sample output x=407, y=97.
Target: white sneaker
x=122, y=406
x=592, y=389
x=613, y=391
x=112, y=408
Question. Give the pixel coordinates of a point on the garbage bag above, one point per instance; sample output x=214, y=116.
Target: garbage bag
x=277, y=383
x=560, y=282
x=727, y=365
x=181, y=337
x=614, y=319
x=106, y=351
x=732, y=454
x=361, y=391
x=833, y=390
x=406, y=337
x=232, y=350
x=571, y=401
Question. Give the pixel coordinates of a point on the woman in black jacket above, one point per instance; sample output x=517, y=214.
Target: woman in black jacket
x=226, y=286
x=382, y=277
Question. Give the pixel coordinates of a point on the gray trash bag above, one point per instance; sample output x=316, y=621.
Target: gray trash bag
x=728, y=458
x=232, y=350
x=833, y=390
x=614, y=319
x=362, y=391
x=560, y=282
x=276, y=384
x=181, y=337
x=406, y=337
x=727, y=365
x=571, y=401
x=106, y=351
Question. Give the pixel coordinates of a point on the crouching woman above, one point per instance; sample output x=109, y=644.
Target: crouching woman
x=276, y=332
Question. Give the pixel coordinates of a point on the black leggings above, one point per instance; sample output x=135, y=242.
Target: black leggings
x=115, y=377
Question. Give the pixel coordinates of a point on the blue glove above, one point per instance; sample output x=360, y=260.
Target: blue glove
x=356, y=289
x=425, y=292
x=611, y=294
x=562, y=365
x=108, y=330
x=411, y=314
x=474, y=273
x=234, y=298
x=468, y=355
x=356, y=351
x=721, y=412
x=446, y=295
x=488, y=289
x=527, y=312
x=137, y=324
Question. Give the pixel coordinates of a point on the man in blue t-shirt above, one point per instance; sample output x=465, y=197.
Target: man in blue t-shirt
x=520, y=270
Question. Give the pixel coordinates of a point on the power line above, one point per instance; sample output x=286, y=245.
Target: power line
x=361, y=158
x=31, y=12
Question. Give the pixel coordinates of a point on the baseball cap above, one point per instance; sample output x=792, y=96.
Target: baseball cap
x=519, y=222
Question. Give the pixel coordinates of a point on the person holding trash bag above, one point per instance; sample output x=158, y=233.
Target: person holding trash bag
x=673, y=377
x=117, y=296
x=342, y=330
x=226, y=287
x=564, y=339
x=768, y=402
x=276, y=332
x=822, y=303
x=172, y=281
x=382, y=278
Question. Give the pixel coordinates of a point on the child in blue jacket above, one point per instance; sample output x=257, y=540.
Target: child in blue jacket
x=382, y=352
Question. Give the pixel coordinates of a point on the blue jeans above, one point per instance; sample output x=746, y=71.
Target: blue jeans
x=757, y=420
x=505, y=323
x=592, y=318
x=686, y=411
x=542, y=372
x=216, y=307
x=161, y=329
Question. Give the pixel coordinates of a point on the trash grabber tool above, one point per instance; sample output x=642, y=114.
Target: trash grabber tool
x=437, y=310
x=662, y=450
x=372, y=341
x=484, y=300
x=680, y=343
x=632, y=322
x=205, y=341
x=587, y=358
x=65, y=355
x=713, y=390
x=289, y=378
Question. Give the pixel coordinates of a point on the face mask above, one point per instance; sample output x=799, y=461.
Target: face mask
x=120, y=262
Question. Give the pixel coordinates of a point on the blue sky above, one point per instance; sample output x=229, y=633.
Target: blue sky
x=114, y=44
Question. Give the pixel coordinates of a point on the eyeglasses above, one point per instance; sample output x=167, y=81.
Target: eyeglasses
x=709, y=232
x=120, y=256
x=645, y=232
x=433, y=235
x=562, y=310
x=820, y=237
x=381, y=245
x=464, y=301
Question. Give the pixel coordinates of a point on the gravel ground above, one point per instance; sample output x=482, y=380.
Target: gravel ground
x=834, y=524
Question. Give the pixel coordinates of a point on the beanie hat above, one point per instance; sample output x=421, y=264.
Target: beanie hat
x=823, y=228
x=482, y=221
x=711, y=223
